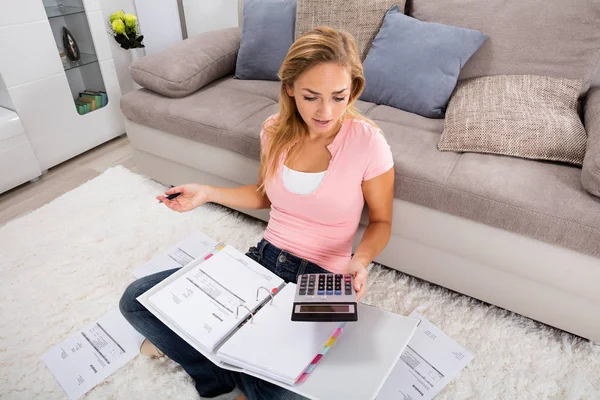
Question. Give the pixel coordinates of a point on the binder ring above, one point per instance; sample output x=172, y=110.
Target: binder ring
x=237, y=312
x=268, y=291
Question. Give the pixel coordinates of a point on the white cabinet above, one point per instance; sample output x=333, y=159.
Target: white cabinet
x=43, y=89
x=17, y=161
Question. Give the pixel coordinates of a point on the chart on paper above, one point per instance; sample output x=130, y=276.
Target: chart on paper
x=90, y=355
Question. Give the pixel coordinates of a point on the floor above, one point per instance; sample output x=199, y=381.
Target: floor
x=65, y=177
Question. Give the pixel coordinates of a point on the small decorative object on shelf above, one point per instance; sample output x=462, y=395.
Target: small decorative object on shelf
x=90, y=100
x=124, y=28
x=70, y=45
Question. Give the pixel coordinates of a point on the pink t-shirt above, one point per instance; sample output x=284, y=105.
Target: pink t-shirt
x=320, y=226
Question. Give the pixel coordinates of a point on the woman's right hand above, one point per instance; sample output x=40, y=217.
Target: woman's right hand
x=192, y=196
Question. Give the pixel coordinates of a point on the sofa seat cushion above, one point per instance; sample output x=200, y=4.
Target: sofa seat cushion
x=542, y=200
x=227, y=113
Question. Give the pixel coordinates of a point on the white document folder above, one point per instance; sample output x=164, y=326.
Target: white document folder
x=263, y=341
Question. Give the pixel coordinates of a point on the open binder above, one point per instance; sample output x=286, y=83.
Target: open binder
x=238, y=314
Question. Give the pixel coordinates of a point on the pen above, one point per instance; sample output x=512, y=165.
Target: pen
x=171, y=196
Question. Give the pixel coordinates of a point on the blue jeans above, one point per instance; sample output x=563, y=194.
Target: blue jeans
x=210, y=379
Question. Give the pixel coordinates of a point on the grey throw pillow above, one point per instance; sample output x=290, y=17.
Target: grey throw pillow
x=414, y=65
x=267, y=35
x=525, y=116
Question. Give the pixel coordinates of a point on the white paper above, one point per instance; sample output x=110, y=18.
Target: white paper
x=93, y=353
x=275, y=346
x=429, y=362
x=195, y=245
x=203, y=302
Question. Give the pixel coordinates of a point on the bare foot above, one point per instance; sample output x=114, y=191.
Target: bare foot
x=241, y=397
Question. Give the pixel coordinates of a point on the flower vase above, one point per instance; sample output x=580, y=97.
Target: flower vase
x=136, y=53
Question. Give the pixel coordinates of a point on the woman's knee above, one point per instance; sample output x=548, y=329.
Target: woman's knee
x=129, y=302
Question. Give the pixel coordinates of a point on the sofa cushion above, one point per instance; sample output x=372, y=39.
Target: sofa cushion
x=219, y=114
x=189, y=65
x=534, y=37
x=414, y=65
x=360, y=18
x=522, y=196
x=267, y=35
x=538, y=199
x=590, y=174
x=524, y=116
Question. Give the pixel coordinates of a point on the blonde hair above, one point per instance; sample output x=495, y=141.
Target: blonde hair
x=322, y=44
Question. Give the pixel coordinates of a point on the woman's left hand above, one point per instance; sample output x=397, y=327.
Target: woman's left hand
x=359, y=270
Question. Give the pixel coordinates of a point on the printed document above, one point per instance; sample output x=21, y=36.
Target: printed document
x=192, y=247
x=210, y=299
x=429, y=362
x=89, y=356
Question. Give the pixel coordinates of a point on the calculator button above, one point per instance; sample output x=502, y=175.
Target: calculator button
x=329, y=292
x=302, y=292
x=320, y=292
x=338, y=292
x=310, y=292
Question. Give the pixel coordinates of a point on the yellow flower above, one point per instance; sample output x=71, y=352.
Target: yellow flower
x=130, y=20
x=118, y=26
x=117, y=15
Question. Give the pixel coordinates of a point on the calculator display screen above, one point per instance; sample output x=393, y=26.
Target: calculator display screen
x=325, y=308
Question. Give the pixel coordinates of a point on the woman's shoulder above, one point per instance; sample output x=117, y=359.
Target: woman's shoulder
x=363, y=131
x=270, y=121
x=267, y=126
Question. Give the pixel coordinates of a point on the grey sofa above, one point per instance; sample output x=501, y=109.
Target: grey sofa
x=523, y=235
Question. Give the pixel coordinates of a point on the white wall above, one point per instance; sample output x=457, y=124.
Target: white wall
x=207, y=15
x=159, y=23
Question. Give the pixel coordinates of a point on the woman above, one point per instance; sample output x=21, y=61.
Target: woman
x=320, y=161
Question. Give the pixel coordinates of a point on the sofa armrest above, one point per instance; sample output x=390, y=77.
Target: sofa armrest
x=590, y=174
x=189, y=65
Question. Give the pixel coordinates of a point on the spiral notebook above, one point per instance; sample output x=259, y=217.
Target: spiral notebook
x=229, y=305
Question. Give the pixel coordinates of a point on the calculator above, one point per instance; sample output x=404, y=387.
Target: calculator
x=325, y=298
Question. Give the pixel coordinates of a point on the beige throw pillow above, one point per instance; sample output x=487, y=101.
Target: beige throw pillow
x=361, y=18
x=524, y=116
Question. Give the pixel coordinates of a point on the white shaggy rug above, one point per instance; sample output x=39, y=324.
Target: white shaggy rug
x=67, y=263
